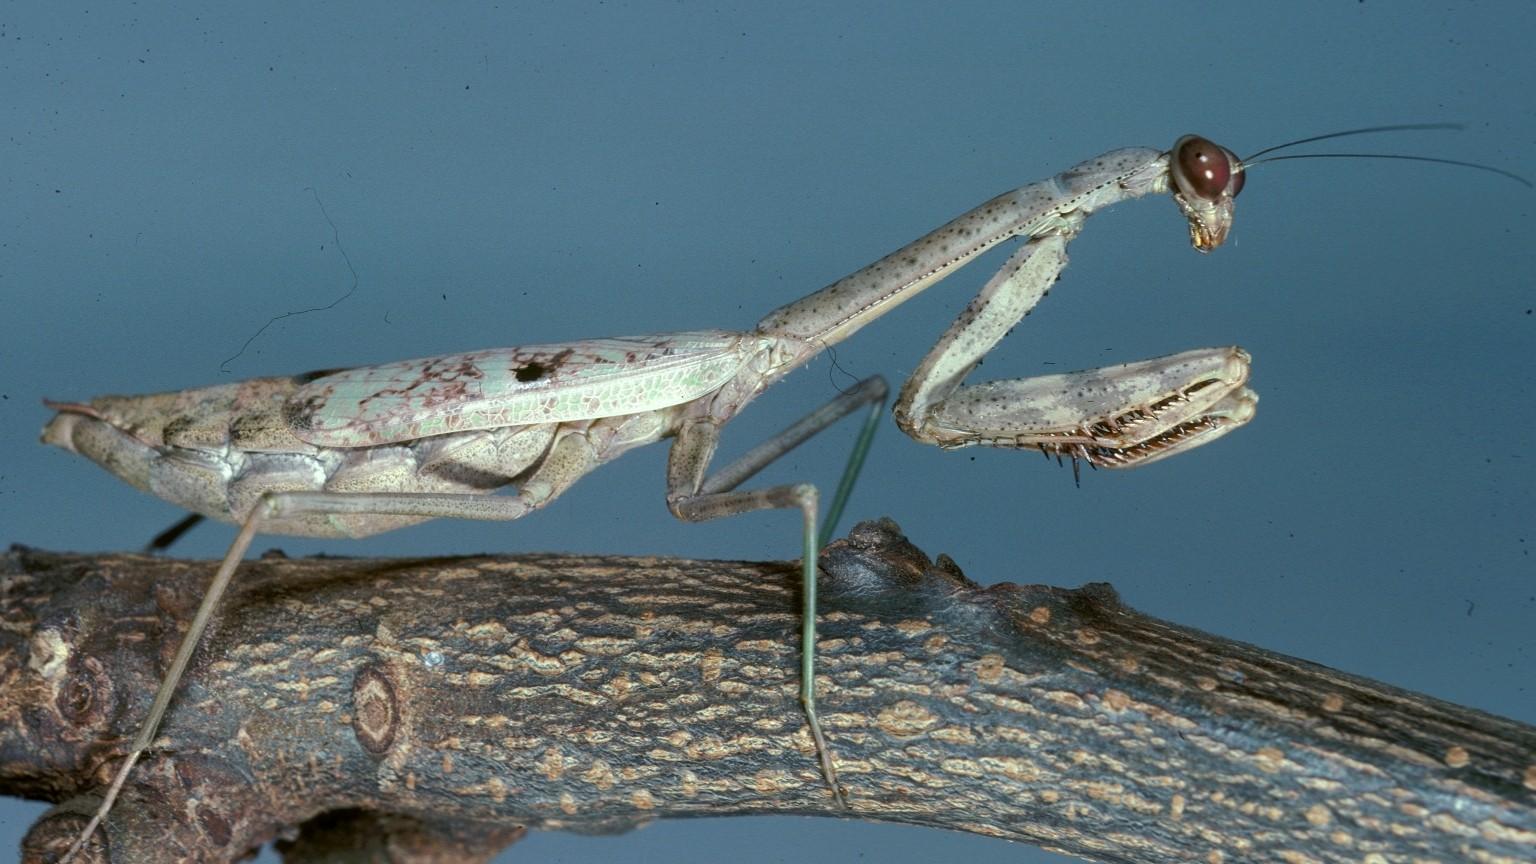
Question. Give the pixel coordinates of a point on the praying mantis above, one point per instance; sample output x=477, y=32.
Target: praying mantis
x=355, y=452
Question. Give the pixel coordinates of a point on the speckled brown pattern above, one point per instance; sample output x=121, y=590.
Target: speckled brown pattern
x=594, y=694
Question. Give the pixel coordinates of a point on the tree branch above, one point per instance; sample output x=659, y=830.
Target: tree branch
x=427, y=710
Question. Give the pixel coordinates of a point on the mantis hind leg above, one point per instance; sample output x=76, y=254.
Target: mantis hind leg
x=163, y=541
x=695, y=497
x=567, y=461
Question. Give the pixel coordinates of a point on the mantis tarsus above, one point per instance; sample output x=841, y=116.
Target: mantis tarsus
x=360, y=451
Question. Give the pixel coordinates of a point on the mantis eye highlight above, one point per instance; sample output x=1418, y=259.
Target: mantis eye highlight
x=1205, y=169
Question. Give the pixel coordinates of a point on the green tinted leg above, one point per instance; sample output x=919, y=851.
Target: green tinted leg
x=854, y=466
x=696, y=498
x=808, y=655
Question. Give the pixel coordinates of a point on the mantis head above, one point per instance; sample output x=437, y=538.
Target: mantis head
x=1205, y=178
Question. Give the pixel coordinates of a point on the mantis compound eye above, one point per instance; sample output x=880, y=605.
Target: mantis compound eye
x=1205, y=169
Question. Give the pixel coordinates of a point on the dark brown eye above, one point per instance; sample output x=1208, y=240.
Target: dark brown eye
x=1239, y=177
x=1203, y=167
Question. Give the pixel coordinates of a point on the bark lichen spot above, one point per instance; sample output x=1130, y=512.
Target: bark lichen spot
x=376, y=711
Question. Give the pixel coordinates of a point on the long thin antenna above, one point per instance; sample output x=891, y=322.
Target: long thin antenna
x=1479, y=166
x=1366, y=130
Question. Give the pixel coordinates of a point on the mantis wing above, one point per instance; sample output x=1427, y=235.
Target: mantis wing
x=521, y=386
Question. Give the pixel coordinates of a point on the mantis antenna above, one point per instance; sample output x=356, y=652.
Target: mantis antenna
x=1253, y=159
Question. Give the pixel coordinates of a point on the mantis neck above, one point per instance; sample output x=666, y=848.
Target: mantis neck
x=1054, y=206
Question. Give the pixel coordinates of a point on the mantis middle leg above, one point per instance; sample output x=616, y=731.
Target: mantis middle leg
x=696, y=497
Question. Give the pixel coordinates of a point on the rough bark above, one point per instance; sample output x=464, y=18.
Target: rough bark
x=429, y=710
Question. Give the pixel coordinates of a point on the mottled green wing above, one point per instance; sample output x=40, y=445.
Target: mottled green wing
x=499, y=387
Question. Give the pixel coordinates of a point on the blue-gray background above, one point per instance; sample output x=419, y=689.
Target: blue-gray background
x=541, y=172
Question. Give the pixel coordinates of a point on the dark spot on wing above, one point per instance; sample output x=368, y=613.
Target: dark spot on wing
x=299, y=414
x=537, y=370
